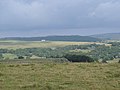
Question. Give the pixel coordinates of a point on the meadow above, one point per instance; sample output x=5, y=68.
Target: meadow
x=54, y=73
x=14, y=44
x=49, y=75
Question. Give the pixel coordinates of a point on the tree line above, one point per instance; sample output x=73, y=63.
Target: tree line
x=96, y=52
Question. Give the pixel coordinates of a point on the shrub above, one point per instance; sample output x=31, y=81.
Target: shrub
x=104, y=61
x=119, y=61
x=79, y=58
x=20, y=57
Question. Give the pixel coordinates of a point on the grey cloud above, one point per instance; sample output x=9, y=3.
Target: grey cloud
x=37, y=14
x=108, y=10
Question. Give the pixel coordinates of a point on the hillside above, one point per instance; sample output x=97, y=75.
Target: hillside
x=56, y=38
x=108, y=36
x=43, y=75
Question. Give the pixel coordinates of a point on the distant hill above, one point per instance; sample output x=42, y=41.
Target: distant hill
x=56, y=38
x=108, y=36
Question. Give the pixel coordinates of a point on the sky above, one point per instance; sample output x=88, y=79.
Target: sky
x=26, y=18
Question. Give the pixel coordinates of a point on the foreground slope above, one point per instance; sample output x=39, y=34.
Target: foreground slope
x=59, y=76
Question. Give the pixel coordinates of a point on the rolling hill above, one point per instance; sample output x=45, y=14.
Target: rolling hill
x=56, y=38
x=107, y=36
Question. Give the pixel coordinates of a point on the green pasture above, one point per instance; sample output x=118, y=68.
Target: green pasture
x=35, y=75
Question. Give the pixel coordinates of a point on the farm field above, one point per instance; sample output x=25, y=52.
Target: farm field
x=46, y=75
x=12, y=44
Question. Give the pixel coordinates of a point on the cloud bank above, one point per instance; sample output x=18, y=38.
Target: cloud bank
x=59, y=14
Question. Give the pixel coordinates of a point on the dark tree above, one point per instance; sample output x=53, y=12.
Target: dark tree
x=78, y=58
x=119, y=61
x=20, y=57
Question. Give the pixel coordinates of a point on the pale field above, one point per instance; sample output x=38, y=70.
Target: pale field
x=36, y=44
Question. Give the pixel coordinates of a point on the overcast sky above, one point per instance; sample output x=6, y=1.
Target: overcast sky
x=58, y=17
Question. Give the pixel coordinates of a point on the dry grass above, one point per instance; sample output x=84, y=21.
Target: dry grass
x=59, y=76
x=35, y=44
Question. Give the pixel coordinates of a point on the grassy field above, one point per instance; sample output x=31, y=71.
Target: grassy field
x=10, y=44
x=36, y=75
